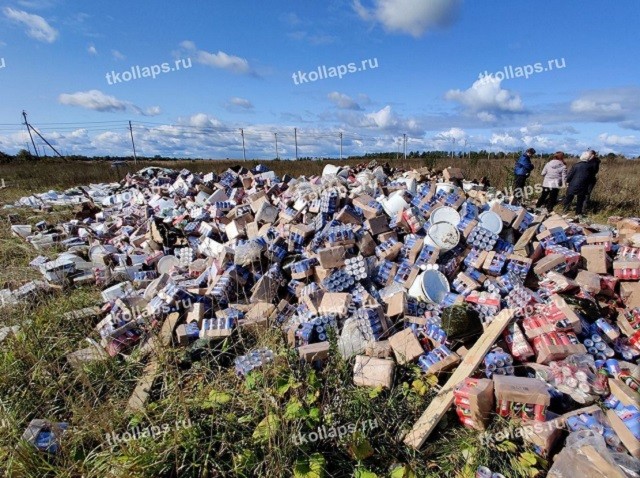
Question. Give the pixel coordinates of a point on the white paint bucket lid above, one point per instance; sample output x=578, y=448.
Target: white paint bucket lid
x=435, y=285
x=167, y=263
x=445, y=214
x=491, y=221
x=443, y=235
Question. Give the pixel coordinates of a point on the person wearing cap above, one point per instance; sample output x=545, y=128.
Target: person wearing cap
x=521, y=172
x=581, y=177
x=555, y=177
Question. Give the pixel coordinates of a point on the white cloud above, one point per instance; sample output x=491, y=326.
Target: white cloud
x=539, y=128
x=608, y=105
x=343, y=101
x=92, y=50
x=37, y=27
x=96, y=100
x=236, y=104
x=615, y=140
x=221, y=59
x=383, y=119
x=505, y=140
x=486, y=99
x=410, y=16
x=117, y=55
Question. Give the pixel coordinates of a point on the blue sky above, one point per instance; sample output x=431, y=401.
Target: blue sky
x=237, y=61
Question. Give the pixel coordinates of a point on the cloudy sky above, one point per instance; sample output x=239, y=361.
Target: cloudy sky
x=189, y=75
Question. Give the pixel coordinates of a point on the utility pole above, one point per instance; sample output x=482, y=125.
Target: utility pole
x=277, y=155
x=404, y=135
x=135, y=157
x=244, y=153
x=398, y=149
x=295, y=136
x=48, y=143
x=340, y=145
x=26, y=123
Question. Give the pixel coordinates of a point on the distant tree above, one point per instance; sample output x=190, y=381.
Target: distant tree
x=24, y=155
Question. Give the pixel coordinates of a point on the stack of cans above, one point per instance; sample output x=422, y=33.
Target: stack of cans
x=356, y=267
x=329, y=202
x=498, y=362
x=414, y=219
x=426, y=361
x=425, y=255
x=592, y=422
x=385, y=246
x=483, y=239
x=519, y=268
x=185, y=255
x=339, y=234
x=383, y=272
x=496, y=265
x=373, y=319
x=253, y=360
x=571, y=257
x=338, y=281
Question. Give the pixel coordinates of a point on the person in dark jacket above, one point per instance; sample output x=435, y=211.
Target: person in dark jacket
x=596, y=162
x=521, y=172
x=580, y=177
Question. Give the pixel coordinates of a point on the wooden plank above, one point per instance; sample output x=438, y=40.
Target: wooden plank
x=443, y=401
x=140, y=394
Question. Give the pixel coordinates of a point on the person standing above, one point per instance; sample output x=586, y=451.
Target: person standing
x=593, y=157
x=580, y=177
x=555, y=177
x=521, y=172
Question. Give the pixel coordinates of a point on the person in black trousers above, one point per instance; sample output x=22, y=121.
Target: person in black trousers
x=580, y=177
x=521, y=172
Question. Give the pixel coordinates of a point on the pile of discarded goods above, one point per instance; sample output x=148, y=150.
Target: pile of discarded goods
x=533, y=318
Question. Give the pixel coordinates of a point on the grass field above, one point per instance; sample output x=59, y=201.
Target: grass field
x=214, y=423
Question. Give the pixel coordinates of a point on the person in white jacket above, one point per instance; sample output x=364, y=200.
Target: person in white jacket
x=555, y=177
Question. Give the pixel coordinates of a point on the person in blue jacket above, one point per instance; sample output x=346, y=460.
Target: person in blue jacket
x=521, y=172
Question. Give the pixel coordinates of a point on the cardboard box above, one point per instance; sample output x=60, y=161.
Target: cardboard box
x=335, y=303
x=373, y=372
x=585, y=462
x=630, y=442
x=589, y=281
x=521, y=390
x=548, y=263
x=406, y=346
x=481, y=402
x=377, y=225
x=596, y=258
x=330, y=257
x=312, y=352
x=547, y=353
x=452, y=173
x=381, y=349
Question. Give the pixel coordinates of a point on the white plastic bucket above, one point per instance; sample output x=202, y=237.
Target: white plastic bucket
x=430, y=286
x=443, y=235
x=491, y=221
x=394, y=204
x=445, y=214
x=446, y=187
